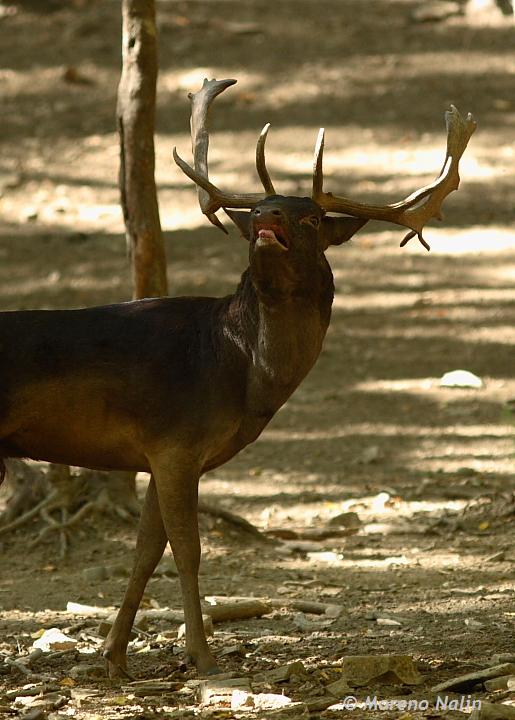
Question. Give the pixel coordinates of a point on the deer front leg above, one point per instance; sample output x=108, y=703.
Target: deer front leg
x=150, y=546
x=177, y=490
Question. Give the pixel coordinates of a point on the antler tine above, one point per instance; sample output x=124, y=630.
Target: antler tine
x=261, y=164
x=211, y=198
x=216, y=198
x=318, y=176
x=414, y=211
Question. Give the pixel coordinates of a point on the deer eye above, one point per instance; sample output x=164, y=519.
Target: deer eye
x=313, y=220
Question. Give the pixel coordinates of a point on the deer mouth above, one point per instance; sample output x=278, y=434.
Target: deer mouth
x=271, y=236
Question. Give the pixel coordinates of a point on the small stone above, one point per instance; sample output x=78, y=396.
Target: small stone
x=463, y=682
x=504, y=682
x=331, y=592
x=369, y=455
x=104, y=628
x=388, y=669
x=75, y=77
x=333, y=611
x=146, y=688
x=53, y=639
x=281, y=673
x=35, y=713
x=167, y=566
x=493, y=711
x=29, y=214
x=501, y=658
x=208, y=627
x=436, y=11
x=346, y=519
x=214, y=691
x=339, y=688
x=95, y=574
x=118, y=570
x=233, y=650
x=319, y=704
x=85, y=670
x=461, y=379
x=307, y=625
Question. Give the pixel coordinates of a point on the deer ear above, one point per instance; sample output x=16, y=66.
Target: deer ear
x=337, y=230
x=242, y=220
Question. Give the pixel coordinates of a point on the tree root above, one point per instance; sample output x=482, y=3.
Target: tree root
x=63, y=526
x=72, y=497
x=54, y=502
x=23, y=519
x=208, y=509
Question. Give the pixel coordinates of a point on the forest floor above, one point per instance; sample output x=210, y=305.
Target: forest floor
x=427, y=571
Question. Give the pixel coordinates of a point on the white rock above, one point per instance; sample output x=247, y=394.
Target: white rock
x=461, y=378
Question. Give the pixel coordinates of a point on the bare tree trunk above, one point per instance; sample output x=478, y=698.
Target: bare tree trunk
x=136, y=116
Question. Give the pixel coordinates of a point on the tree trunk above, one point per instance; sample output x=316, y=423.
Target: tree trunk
x=136, y=117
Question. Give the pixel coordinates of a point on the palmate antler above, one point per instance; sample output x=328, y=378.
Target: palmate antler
x=413, y=212
x=420, y=206
x=211, y=198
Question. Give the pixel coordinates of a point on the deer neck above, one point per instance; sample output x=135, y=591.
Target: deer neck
x=281, y=336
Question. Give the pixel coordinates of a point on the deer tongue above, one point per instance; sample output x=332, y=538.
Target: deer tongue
x=266, y=236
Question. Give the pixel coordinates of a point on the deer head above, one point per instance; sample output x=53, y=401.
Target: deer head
x=287, y=238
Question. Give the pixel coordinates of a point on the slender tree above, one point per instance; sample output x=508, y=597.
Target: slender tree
x=136, y=120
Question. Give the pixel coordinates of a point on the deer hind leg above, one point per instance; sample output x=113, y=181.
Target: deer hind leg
x=177, y=489
x=150, y=546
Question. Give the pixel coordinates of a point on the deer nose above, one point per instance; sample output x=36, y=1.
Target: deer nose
x=268, y=214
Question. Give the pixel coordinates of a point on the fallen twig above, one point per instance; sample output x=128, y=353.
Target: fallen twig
x=38, y=689
x=22, y=664
x=322, y=533
x=306, y=606
x=237, y=609
x=227, y=609
x=90, y=611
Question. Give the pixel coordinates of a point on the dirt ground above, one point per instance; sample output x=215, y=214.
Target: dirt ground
x=428, y=571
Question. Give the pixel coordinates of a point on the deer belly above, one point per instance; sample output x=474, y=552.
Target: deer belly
x=75, y=446
x=73, y=428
